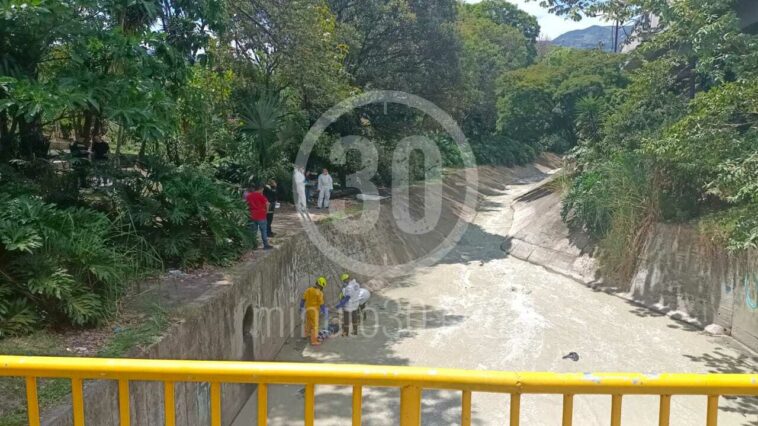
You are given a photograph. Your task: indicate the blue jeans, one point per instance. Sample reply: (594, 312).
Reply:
(255, 225)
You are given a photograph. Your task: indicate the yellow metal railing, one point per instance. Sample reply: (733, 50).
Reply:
(410, 380)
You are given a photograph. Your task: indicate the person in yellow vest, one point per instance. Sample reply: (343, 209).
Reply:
(313, 304)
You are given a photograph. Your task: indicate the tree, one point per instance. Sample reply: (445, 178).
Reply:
(686, 121)
(205, 110)
(190, 25)
(293, 46)
(406, 45)
(505, 13)
(489, 49)
(617, 10)
(29, 37)
(539, 103)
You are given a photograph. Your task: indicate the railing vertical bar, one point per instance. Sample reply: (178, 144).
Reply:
(77, 401)
(664, 413)
(357, 405)
(310, 404)
(515, 409)
(410, 406)
(466, 408)
(32, 404)
(215, 404)
(169, 407)
(123, 402)
(616, 410)
(568, 410)
(713, 410)
(262, 404)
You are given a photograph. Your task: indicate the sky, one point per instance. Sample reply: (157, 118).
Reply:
(552, 26)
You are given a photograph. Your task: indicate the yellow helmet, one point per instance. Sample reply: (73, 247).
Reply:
(321, 282)
(344, 277)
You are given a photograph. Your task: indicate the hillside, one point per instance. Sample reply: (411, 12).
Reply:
(592, 37)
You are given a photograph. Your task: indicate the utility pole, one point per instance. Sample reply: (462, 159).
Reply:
(616, 11)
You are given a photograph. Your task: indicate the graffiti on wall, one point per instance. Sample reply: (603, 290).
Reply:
(751, 291)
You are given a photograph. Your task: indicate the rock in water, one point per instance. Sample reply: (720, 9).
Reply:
(715, 330)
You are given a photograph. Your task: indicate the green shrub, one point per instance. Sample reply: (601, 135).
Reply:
(614, 202)
(58, 266)
(617, 186)
(184, 213)
(555, 143)
(499, 150)
(69, 265)
(451, 153)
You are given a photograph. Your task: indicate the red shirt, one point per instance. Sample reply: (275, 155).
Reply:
(256, 202)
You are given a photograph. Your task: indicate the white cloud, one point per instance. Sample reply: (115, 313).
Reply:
(552, 26)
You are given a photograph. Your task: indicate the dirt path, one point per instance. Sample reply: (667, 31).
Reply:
(480, 309)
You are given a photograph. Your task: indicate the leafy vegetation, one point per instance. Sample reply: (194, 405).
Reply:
(199, 99)
(58, 264)
(183, 213)
(679, 141)
(538, 105)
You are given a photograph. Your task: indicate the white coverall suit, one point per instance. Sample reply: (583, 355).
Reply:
(350, 307)
(325, 186)
(299, 179)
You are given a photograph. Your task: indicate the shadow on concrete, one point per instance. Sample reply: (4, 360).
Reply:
(476, 245)
(717, 361)
(488, 206)
(582, 240)
(388, 322)
(534, 177)
(534, 195)
(720, 362)
(491, 191)
(438, 407)
(680, 325)
(644, 312)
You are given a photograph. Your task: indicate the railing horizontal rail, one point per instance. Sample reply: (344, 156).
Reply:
(379, 376)
(410, 380)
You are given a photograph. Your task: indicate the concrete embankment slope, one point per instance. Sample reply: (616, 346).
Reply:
(678, 273)
(249, 312)
(538, 235)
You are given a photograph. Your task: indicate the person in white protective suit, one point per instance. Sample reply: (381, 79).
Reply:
(298, 178)
(352, 301)
(325, 187)
(363, 296)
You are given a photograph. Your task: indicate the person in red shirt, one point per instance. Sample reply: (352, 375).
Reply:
(258, 205)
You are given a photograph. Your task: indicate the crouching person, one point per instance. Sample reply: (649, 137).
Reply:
(352, 302)
(363, 296)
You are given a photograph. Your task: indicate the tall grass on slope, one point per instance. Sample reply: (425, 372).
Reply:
(616, 203)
